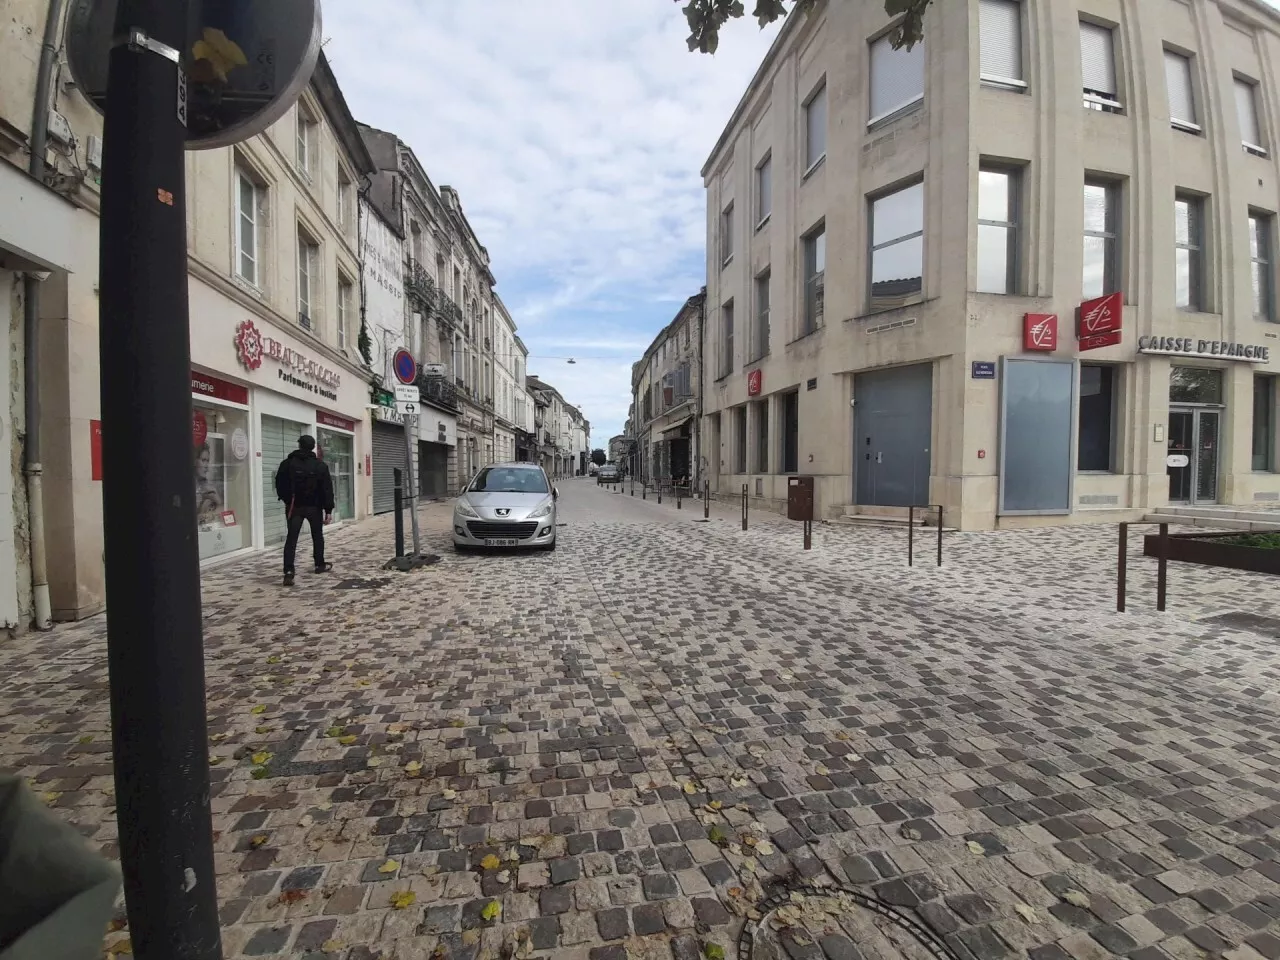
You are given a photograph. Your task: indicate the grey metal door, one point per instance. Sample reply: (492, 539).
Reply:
(433, 469)
(892, 427)
(388, 453)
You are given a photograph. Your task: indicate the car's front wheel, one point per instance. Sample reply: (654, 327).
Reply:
(461, 548)
(550, 547)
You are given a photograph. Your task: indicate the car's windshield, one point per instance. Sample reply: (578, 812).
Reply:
(509, 480)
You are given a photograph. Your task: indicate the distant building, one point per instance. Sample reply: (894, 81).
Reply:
(666, 384)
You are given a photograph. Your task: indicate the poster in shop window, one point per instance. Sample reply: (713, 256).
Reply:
(210, 476)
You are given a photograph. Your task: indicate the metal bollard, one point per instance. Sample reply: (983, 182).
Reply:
(399, 519)
(939, 534)
(808, 534)
(659, 491)
(706, 499)
(678, 507)
(644, 489)
(744, 506)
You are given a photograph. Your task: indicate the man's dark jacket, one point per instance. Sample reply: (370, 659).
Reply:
(303, 482)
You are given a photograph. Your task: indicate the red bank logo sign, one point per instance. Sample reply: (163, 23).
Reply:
(1040, 332)
(755, 383)
(1101, 321)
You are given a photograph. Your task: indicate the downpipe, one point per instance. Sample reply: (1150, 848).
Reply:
(32, 468)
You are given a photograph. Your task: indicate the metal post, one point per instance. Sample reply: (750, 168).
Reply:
(1162, 566)
(411, 492)
(1122, 562)
(744, 506)
(155, 654)
(678, 506)
(808, 534)
(644, 489)
(939, 534)
(706, 499)
(659, 491)
(911, 536)
(399, 509)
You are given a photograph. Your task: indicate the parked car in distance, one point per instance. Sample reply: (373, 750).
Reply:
(609, 473)
(506, 505)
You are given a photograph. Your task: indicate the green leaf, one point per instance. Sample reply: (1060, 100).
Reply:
(492, 910)
(713, 951)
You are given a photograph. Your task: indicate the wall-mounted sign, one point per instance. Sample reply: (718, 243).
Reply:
(1177, 460)
(239, 443)
(326, 419)
(755, 382)
(199, 429)
(983, 370)
(1100, 322)
(253, 346)
(433, 369)
(203, 385)
(1214, 349)
(1040, 331)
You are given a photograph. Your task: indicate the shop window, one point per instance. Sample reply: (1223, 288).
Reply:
(762, 436)
(338, 451)
(223, 479)
(740, 439)
(1101, 239)
(1189, 285)
(1264, 422)
(897, 247)
(1195, 385)
(1097, 426)
(791, 431)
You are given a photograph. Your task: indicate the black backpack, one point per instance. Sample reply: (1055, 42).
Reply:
(298, 482)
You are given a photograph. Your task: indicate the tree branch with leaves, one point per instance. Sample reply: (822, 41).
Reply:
(706, 17)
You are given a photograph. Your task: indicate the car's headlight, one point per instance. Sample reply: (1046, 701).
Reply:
(542, 511)
(463, 509)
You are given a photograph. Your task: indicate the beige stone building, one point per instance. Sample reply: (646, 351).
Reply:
(665, 387)
(895, 237)
(275, 321)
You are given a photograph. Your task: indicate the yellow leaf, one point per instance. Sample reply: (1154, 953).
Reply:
(492, 910)
(714, 805)
(764, 848)
(490, 862)
(121, 948)
(219, 51)
(1026, 913)
(1076, 898)
(739, 781)
(332, 946)
(413, 768)
(259, 773)
(976, 849)
(51, 797)
(449, 794)
(348, 740)
(263, 729)
(258, 840)
(375, 761)
(260, 708)
(333, 732)
(273, 659)
(214, 761)
(391, 866)
(362, 683)
(457, 723)
(404, 898)
(261, 757)
(690, 787)
(88, 739)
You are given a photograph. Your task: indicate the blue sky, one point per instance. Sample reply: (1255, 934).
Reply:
(574, 131)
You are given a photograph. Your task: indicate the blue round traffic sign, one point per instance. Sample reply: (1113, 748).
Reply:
(404, 366)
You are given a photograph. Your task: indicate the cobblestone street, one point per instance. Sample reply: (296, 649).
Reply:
(669, 728)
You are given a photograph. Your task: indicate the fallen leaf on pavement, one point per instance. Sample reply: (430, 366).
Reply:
(405, 898)
(292, 896)
(1076, 899)
(348, 740)
(739, 781)
(214, 761)
(713, 951)
(391, 866)
(1026, 913)
(976, 848)
(261, 758)
(764, 848)
(492, 910)
(504, 876)
(413, 768)
(690, 787)
(490, 862)
(449, 794)
(260, 708)
(258, 840)
(273, 659)
(332, 946)
(263, 729)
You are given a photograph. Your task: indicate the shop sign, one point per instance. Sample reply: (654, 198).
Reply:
(327, 419)
(203, 385)
(253, 346)
(755, 383)
(1209, 349)
(199, 429)
(1100, 322)
(983, 370)
(1040, 332)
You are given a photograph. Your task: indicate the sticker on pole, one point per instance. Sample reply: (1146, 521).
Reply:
(245, 62)
(404, 366)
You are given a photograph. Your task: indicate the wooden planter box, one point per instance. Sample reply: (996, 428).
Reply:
(1205, 548)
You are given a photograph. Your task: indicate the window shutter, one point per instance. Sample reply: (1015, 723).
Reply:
(897, 77)
(1097, 59)
(1000, 35)
(1177, 72)
(1247, 108)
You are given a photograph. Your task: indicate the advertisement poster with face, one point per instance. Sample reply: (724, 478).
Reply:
(210, 478)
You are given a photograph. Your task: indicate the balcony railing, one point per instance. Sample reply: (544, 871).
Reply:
(419, 287)
(438, 391)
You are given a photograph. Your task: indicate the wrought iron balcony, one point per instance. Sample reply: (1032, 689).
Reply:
(419, 287)
(438, 391)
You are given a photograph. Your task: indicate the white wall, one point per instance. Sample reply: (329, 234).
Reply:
(384, 290)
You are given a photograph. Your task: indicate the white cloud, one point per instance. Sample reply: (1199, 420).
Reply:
(574, 131)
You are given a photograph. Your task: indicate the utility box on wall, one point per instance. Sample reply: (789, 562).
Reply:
(800, 498)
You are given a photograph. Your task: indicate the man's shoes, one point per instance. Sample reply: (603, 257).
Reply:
(324, 568)
(288, 579)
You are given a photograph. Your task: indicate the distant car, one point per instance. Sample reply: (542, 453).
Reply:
(609, 473)
(506, 505)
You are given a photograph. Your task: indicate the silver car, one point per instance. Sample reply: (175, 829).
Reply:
(506, 505)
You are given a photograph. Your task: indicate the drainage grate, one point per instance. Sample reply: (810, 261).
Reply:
(807, 916)
(1250, 622)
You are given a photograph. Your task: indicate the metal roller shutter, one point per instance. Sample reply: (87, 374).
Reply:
(388, 453)
(1097, 62)
(897, 77)
(279, 439)
(1000, 23)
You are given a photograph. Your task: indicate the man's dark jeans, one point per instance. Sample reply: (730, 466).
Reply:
(313, 516)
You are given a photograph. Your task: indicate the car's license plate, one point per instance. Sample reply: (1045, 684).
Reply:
(501, 543)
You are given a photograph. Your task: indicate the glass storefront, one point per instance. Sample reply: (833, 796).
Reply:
(338, 451)
(222, 472)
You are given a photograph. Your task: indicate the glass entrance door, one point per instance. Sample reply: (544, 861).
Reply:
(1192, 460)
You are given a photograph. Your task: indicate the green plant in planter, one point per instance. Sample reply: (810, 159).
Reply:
(1256, 541)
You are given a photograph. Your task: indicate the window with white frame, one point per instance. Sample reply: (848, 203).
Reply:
(1247, 110)
(815, 127)
(345, 300)
(345, 192)
(1262, 266)
(1101, 238)
(897, 247)
(997, 229)
(764, 190)
(308, 281)
(1189, 285)
(726, 234)
(307, 155)
(1182, 97)
(1000, 36)
(897, 78)
(1098, 67)
(250, 199)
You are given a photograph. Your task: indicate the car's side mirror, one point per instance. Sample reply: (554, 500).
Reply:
(555, 493)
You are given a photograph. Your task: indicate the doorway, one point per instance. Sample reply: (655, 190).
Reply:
(1194, 434)
(892, 427)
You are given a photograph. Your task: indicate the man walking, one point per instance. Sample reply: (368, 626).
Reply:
(304, 485)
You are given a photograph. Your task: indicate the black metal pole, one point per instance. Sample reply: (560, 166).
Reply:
(911, 536)
(706, 499)
(744, 506)
(678, 506)
(1121, 563)
(808, 534)
(939, 534)
(399, 510)
(1162, 567)
(155, 653)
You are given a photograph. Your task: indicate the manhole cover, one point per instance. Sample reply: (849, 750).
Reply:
(835, 922)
